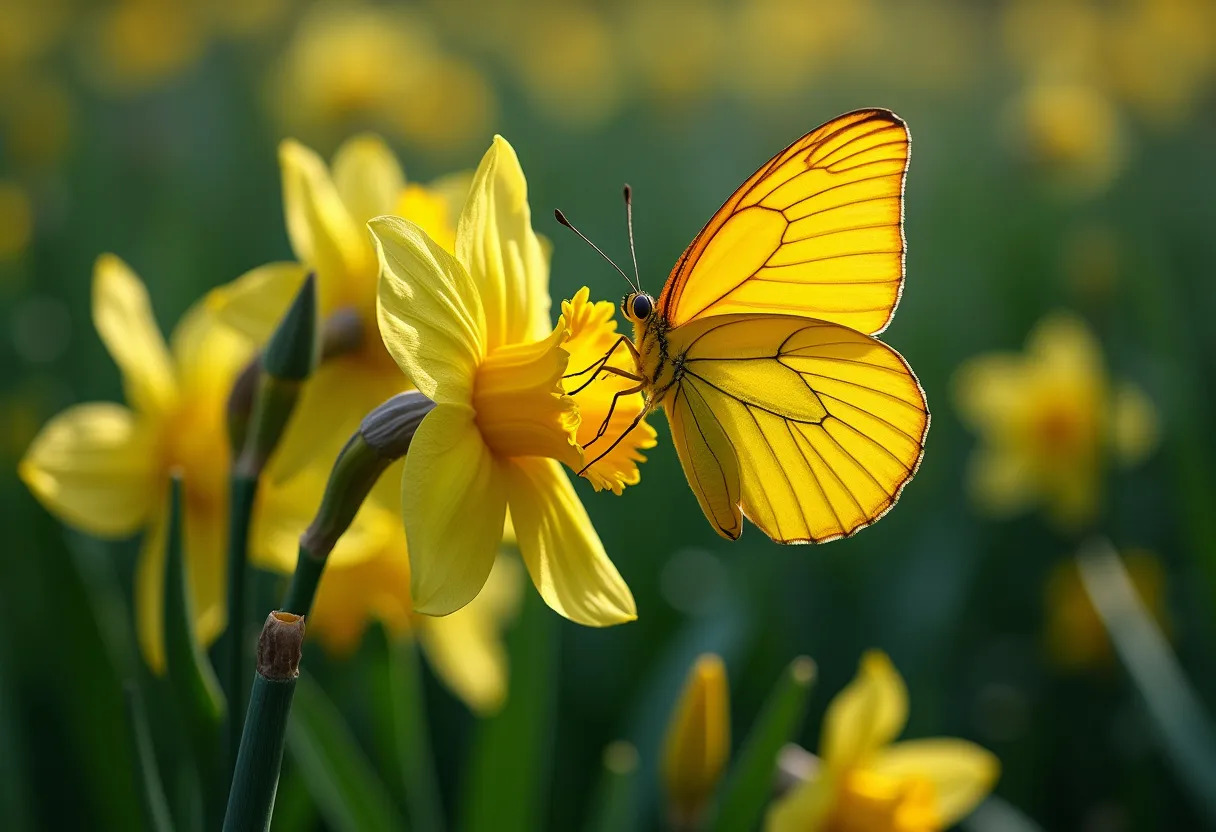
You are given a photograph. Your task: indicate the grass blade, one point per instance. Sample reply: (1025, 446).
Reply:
(509, 770)
(1186, 732)
(348, 792)
(750, 783)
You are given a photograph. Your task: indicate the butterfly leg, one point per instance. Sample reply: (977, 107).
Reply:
(637, 420)
(612, 409)
(600, 362)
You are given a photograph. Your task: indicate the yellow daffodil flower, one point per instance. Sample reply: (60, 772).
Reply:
(104, 468)
(865, 783)
(1076, 638)
(1049, 420)
(697, 745)
(367, 577)
(326, 214)
(472, 333)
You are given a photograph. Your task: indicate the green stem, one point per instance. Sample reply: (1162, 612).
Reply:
(256, 778)
(243, 491)
(303, 587)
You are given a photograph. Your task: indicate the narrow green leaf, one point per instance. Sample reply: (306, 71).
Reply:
(150, 787)
(615, 808)
(750, 783)
(347, 790)
(189, 670)
(505, 789)
(291, 352)
(1186, 731)
(238, 656)
(400, 703)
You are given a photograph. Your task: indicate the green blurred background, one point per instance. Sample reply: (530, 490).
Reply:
(1062, 159)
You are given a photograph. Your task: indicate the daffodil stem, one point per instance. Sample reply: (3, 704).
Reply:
(256, 777)
(243, 491)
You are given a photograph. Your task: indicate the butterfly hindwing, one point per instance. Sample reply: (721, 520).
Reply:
(827, 424)
(709, 460)
(817, 231)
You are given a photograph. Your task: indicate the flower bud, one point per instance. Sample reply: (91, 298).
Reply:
(698, 742)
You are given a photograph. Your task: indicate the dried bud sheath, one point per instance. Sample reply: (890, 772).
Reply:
(256, 779)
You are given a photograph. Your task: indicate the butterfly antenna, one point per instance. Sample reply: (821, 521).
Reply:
(562, 219)
(632, 251)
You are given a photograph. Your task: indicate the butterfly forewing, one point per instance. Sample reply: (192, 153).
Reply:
(817, 231)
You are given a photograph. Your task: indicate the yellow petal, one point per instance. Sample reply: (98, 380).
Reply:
(323, 234)
(94, 467)
(454, 498)
(332, 404)
(1001, 481)
(466, 650)
(805, 808)
(430, 312)
(866, 715)
(123, 316)
(254, 303)
(564, 554)
(697, 744)
(1064, 346)
(208, 355)
(368, 177)
(205, 553)
(962, 773)
(430, 211)
(989, 390)
(496, 243)
(1134, 428)
(150, 594)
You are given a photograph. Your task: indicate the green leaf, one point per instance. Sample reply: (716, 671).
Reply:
(149, 785)
(750, 783)
(400, 703)
(508, 773)
(1185, 729)
(291, 352)
(190, 672)
(347, 790)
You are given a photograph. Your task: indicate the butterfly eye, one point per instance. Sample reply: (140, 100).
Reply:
(642, 307)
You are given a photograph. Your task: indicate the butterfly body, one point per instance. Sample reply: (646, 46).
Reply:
(783, 406)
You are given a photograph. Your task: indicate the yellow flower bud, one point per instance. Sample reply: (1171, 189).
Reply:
(698, 741)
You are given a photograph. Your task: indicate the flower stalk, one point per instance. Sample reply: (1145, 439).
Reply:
(256, 779)
(287, 361)
(382, 438)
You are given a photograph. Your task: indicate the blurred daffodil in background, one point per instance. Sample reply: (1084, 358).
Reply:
(326, 210)
(1050, 421)
(1075, 637)
(697, 745)
(104, 468)
(472, 332)
(865, 782)
(363, 63)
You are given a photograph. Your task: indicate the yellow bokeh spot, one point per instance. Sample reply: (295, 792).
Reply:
(16, 220)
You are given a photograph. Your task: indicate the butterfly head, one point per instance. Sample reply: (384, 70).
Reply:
(637, 307)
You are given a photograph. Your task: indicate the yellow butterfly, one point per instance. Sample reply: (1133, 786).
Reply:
(782, 405)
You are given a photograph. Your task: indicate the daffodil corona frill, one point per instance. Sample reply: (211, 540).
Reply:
(326, 211)
(1050, 421)
(104, 468)
(472, 332)
(866, 784)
